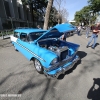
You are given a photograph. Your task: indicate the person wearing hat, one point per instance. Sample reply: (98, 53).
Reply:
(96, 30)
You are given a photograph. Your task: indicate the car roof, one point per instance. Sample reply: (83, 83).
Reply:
(29, 30)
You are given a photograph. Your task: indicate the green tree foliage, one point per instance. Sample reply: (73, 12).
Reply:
(84, 16)
(94, 5)
(37, 4)
(53, 17)
(38, 10)
(37, 7)
(77, 16)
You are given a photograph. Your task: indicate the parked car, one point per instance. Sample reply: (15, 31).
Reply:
(50, 55)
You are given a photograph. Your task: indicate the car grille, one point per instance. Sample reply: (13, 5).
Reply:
(63, 55)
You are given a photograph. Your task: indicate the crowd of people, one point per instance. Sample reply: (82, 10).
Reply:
(95, 30)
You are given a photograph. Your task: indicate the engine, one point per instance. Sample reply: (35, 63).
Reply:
(62, 52)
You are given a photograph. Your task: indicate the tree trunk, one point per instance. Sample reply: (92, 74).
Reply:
(58, 21)
(47, 14)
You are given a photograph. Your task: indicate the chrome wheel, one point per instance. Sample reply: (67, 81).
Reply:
(38, 66)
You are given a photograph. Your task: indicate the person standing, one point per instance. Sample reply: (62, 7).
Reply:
(64, 36)
(87, 31)
(38, 26)
(96, 30)
(79, 30)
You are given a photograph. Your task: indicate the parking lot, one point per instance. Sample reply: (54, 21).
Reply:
(18, 76)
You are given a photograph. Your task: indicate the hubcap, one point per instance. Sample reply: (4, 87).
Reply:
(37, 65)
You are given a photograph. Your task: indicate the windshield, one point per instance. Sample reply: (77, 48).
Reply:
(35, 35)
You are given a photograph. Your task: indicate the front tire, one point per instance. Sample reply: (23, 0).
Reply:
(38, 66)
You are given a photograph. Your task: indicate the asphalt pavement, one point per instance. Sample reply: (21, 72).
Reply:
(20, 81)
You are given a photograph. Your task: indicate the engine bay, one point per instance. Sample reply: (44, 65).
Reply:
(56, 47)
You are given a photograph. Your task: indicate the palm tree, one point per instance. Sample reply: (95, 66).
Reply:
(47, 14)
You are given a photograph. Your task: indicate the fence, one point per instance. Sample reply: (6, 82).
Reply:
(5, 33)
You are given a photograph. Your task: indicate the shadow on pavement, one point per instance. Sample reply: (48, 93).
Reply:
(94, 92)
(5, 43)
(97, 44)
(37, 84)
(5, 79)
(81, 54)
(89, 36)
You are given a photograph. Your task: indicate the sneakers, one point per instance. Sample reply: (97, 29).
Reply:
(86, 36)
(92, 47)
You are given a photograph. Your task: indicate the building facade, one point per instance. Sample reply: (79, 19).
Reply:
(14, 14)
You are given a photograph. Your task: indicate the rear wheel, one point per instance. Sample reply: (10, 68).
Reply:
(38, 66)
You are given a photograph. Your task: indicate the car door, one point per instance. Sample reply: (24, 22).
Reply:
(24, 46)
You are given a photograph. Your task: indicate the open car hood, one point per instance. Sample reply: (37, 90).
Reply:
(65, 27)
(57, 31)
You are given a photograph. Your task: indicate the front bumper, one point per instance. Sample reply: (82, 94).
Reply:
(61, 70)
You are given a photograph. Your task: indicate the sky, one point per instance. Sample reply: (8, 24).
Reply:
(72, 6)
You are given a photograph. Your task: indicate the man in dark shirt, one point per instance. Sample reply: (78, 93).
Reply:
(94, 36)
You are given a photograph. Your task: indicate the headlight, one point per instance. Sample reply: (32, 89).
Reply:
(54, 61)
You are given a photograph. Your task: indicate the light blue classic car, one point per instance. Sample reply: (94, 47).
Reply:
(50, 55)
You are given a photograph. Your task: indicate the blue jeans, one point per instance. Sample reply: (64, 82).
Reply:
(93, 36)
(87, 33)
(78, 32)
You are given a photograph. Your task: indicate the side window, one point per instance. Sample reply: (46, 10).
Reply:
(28, 38)
(23, 36)
(16, 34)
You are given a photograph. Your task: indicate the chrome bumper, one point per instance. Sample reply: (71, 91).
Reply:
(62, 70)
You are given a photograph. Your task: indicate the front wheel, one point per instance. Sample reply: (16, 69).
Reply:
(38, 66)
